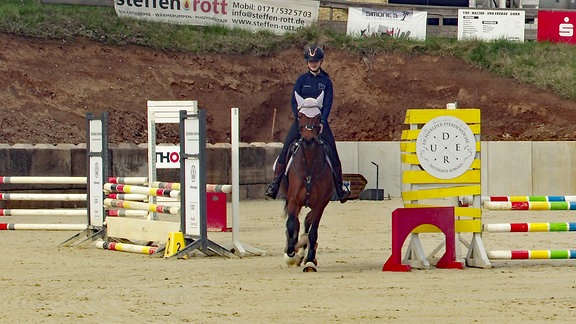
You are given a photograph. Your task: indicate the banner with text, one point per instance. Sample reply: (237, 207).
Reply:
(368, 22)
(491, 24)
(556, 26)
(272, 15)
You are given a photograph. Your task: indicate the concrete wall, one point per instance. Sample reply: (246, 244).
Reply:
(508, 168)
(512, 160)
(357, 157)
(528, 168)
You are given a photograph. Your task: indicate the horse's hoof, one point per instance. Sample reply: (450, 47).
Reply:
(309, 267)
(293, 260)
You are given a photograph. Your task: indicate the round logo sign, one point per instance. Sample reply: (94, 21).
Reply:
(446, 147)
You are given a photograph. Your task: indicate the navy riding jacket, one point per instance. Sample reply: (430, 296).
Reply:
(309, 85)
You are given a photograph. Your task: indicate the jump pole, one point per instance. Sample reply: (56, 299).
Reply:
(50, 227)
(532, 255)
(226, 188)
(530, 227)
(193, 178)
(42, 180)
(148, 191)
(128, 180)
(530, 205)
(27, 180)
(126, 247)
(43, 212)
(43, 196)
(97, 170)
(528, 198)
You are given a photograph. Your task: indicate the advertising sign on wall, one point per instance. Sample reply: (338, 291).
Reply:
(168, 157)
(556, 26)
(275, 16)
(369, 22)
(491, 24)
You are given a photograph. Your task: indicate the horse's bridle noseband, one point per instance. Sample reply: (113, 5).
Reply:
(310, 127)
(314, 128)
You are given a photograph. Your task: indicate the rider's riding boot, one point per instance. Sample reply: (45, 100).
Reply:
(342, 191)
(272, 190)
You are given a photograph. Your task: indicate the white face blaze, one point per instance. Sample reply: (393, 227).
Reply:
(309, 106)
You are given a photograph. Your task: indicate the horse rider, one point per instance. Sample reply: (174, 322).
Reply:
(310, 85)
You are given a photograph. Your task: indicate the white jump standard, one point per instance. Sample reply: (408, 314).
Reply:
(97, 168)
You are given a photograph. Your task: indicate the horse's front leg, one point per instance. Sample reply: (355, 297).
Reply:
(292, 231)
(311, 224)
(310, 262)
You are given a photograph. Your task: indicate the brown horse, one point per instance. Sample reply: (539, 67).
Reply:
(309, 184)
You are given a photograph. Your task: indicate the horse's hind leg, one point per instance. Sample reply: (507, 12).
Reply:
(303, 241)
(300, 248)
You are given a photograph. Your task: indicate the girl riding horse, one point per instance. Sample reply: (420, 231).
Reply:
(309, 184)
(310, 85)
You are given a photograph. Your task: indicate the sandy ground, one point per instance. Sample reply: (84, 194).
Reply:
(43, 283)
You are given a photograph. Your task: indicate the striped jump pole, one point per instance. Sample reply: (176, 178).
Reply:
(124, 204)
(123, 196)
(156, 192)
(530, 227)
(42, 180)
(160, 189)
(532, 254)
(124, 247)
(166, 185)
(529, 198)
(226, 188)
(219, 188)
(128, 180)
(530, 205)
(50, 227)
(43, 212)
(126, 212)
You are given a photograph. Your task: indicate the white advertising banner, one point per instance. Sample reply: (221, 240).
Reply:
(272, 15)
(491, 24)
(368, 22)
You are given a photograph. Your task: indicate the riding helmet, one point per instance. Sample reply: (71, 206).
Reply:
(313, 53)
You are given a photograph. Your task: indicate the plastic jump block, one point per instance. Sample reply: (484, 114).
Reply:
(405, 220)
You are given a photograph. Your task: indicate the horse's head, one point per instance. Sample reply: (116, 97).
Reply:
(309, 116)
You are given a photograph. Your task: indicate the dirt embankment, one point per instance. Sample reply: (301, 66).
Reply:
(47, 87)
